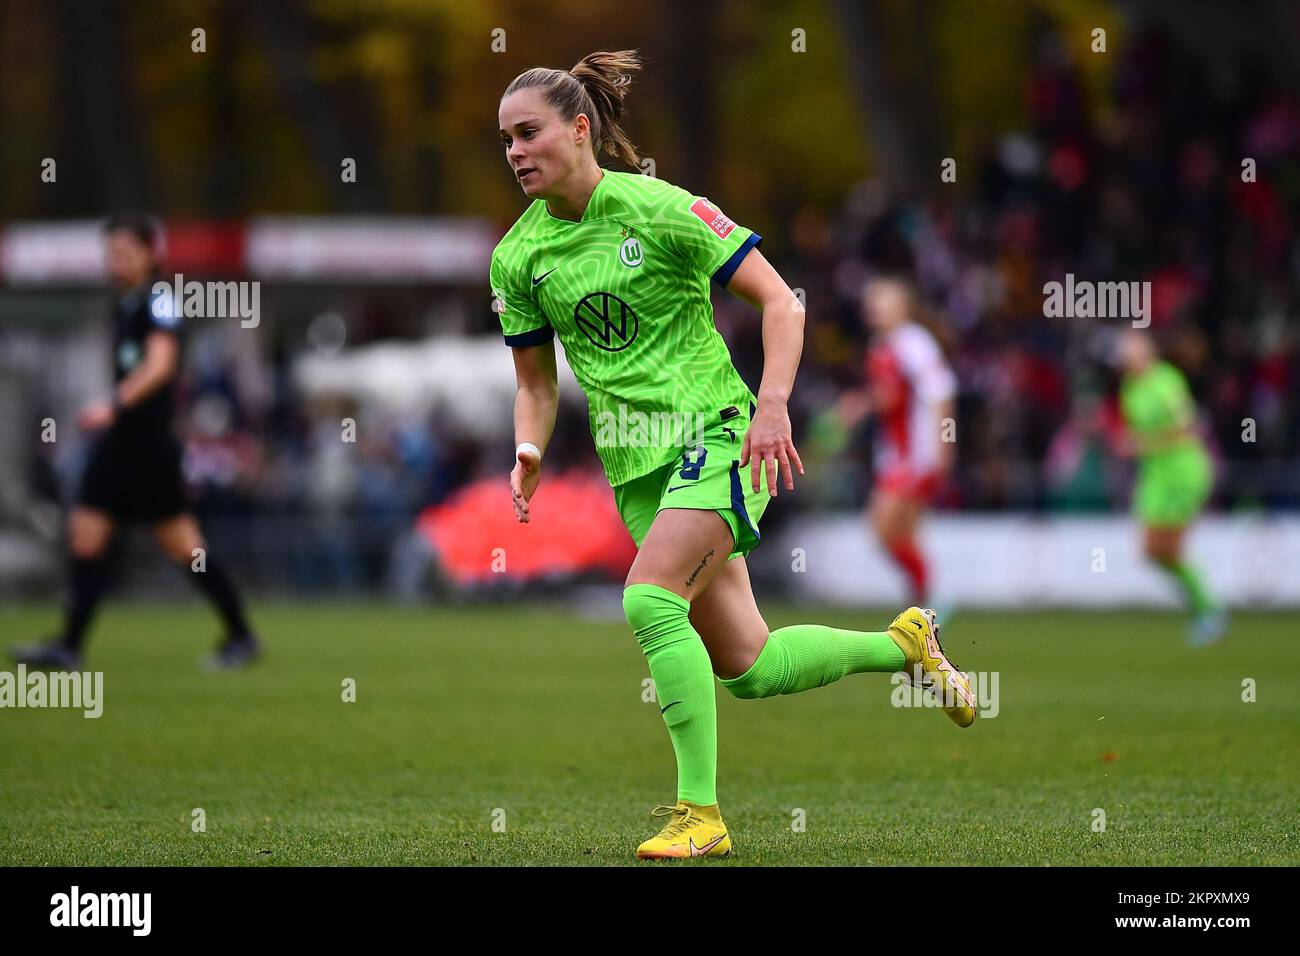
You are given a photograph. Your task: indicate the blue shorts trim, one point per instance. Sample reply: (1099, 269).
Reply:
(738, 499)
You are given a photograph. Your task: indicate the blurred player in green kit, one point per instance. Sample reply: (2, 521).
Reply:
(1174, 473)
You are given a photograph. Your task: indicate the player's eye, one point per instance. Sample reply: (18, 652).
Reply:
(528, 133)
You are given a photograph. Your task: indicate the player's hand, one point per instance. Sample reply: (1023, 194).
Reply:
(96, 415)
(768, 442)
(523, 482)
(853, 406)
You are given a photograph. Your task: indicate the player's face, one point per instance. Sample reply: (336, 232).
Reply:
(1135, 351)
(539, 145)
(129, 259)
(884, 306)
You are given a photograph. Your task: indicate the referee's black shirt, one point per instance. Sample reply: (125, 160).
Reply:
(136, 315)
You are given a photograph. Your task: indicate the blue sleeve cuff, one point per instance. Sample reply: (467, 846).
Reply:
(543, 333)
(722, 275)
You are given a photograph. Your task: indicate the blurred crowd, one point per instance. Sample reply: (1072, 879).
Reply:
(1179, 174)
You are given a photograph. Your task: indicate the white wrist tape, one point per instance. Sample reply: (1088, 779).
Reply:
(528, 446)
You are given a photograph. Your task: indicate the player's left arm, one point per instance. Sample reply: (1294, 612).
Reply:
(1179, 413)
(156, 369)
(1182, 411)
(769, 439)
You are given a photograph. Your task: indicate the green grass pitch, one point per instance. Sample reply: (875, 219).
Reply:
(531, 716)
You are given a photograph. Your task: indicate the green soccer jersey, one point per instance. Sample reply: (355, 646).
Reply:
(626, 289)
(1158, 410)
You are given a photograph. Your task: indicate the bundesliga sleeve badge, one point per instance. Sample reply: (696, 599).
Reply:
(713, 217)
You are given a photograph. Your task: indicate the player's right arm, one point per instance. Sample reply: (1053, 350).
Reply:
(1160, 412)
(159, 365)
(536, 403)
(532, 342)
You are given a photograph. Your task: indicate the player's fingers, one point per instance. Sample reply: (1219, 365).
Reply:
(794, 455)
(769, 469)
(744, 451)
(754, 462)
(517, 495)
(789, 472)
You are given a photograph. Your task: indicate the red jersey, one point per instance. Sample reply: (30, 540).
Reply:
(910, 382)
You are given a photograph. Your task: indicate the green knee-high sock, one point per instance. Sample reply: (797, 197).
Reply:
(1193, 585)
(683, 676)
(804, 656)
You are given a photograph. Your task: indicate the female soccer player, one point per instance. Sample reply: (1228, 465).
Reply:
(1174, 472)
(910, 391)
(134, 471)
(618, 266)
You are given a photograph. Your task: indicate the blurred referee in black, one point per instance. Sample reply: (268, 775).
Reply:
(134, 472)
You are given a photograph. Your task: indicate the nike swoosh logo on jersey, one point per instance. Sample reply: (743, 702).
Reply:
(537, 279)
(701, 850)
(663, 710)
(676, 488)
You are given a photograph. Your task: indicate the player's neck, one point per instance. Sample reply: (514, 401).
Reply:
(573, 202)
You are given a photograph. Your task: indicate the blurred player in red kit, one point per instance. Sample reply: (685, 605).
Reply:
(910, 393)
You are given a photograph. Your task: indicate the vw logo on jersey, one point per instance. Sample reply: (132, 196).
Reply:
(606, 320)
(629, 253)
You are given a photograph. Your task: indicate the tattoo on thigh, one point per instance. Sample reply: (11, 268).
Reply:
(699, 568)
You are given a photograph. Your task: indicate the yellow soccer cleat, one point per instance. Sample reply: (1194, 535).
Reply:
(693, 831)
(916, 631)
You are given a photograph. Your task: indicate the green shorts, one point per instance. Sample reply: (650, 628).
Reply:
(1172, 488)
(707, 477)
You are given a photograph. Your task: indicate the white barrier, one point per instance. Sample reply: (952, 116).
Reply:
(1018, 561)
